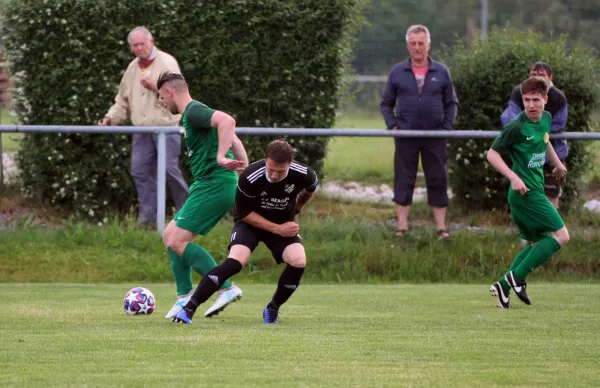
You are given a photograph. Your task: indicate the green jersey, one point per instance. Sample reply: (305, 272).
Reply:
(526, 142)
(202, 142)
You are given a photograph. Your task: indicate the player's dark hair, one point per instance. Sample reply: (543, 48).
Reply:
(280, 151)
(541, 66)
(534, 85)
(175, 81)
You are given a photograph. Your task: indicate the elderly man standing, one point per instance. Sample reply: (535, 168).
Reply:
(422, 93)
(138, 100)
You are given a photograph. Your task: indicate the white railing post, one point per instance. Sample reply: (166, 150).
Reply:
(161, 182)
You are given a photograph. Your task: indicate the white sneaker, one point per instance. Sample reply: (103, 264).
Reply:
(225, 297)
(178, 306)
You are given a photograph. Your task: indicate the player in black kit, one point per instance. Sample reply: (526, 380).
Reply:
(270, 193)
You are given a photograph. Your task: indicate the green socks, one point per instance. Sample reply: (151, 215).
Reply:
(518, 259)
(541, 252)
(182, 273)
(196, 257)
(530, 258)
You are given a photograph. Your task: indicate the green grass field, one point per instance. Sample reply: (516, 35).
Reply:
(360, 159)
(396, 335)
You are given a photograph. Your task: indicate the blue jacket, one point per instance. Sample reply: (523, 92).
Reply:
(434, 108)
(558, 108)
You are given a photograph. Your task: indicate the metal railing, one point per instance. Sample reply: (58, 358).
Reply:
(162, 131)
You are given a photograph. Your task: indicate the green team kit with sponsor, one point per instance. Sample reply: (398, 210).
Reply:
(526, 142)
(212, 194)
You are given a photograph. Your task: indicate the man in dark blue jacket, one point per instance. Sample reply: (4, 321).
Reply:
(422, 93)
(557, 106)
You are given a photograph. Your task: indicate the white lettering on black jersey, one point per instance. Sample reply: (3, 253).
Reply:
(274, 201)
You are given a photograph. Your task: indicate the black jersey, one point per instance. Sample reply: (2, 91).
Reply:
(274, 201)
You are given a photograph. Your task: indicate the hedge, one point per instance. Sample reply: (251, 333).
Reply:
(267, 62)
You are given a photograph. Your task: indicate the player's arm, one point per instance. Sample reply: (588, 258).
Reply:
(303, 197)
(246, 202)
(289, 229)
(306, 194)
(239, 152)
(559, 169)
(508, 136)
(225, 125)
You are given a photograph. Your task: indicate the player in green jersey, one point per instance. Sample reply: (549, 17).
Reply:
(525, 138)
(211, 146)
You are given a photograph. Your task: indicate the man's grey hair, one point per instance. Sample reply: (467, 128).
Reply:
(141, 29)
(414, 29)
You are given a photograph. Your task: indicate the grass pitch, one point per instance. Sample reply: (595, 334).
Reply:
(392, 335)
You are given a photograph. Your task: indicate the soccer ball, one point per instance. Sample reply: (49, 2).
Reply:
(138, 301)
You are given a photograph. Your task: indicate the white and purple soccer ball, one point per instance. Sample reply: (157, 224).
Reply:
(139, 301)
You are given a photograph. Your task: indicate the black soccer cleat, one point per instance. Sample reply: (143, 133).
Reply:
(519, 286)
(503, 297)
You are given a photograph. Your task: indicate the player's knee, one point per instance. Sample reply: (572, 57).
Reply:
(167, 235)
(561, 236)
(298, 261)
(240, 253)
(176, 242)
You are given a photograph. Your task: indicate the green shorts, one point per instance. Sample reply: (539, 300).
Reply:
(206, 204)
(534, 215)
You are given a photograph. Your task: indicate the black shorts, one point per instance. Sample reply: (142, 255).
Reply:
(249, 236)
(552, 187)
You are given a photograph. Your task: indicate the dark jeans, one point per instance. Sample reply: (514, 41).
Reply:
(435, 166)
(144, 158)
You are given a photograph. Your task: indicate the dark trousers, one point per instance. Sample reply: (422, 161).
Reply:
(144, 158)
(434, 158)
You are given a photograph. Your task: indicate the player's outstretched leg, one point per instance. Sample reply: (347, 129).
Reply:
(502, 295)
(225, 297)
(209, 284)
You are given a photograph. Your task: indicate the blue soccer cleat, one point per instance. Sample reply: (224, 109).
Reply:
(270, 316)
(182, 317)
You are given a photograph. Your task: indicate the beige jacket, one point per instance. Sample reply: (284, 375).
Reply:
(139, 104)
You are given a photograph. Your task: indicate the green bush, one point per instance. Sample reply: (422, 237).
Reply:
(484, 76)
(267, 62)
